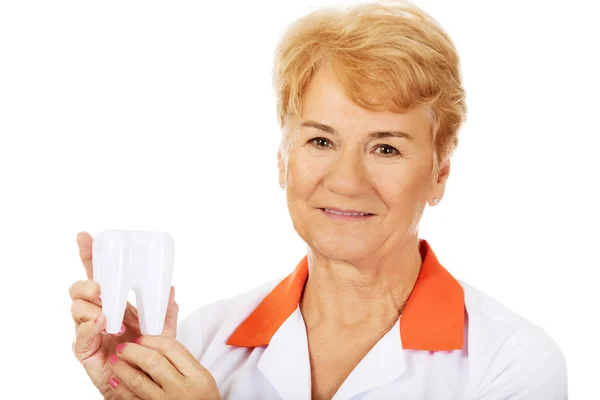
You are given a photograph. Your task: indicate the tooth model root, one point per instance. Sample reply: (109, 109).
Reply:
(138, 260)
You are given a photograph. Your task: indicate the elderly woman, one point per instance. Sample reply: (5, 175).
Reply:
(370, 102)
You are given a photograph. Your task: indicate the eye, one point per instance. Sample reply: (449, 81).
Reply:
(387, 150)
(320, 143)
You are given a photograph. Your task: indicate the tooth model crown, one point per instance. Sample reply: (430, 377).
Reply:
(141, 261)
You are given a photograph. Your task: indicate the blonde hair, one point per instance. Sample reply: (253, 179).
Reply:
(388, 56)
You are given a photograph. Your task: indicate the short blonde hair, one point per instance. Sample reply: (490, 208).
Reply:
(389, 56)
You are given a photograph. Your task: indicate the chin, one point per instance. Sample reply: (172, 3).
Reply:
(345, 248)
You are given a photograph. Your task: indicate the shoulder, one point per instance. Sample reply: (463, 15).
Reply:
(483, 308)
(219, 319)
(508, 354)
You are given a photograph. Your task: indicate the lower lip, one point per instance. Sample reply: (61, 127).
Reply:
(346, 217)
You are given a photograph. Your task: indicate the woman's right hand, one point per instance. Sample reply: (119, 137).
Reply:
(92, 345)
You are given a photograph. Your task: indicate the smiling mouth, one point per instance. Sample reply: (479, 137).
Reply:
(344, 213)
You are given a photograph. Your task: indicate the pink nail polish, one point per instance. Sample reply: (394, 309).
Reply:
(120, 347)
(113, 383)
(100, 298)
(112, 359)
(122, 329)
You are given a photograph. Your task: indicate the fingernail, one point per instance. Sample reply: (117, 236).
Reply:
(113, 383)
(122, 329)
(112, 359)
(97, 318)
(138, 340)
(120, 347)
(100, 298)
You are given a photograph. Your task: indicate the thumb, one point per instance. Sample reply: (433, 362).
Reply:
(84, 242)
(170, 327)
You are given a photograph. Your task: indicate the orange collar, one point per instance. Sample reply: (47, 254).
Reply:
(433, 318)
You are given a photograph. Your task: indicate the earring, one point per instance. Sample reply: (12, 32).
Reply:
(435, 201)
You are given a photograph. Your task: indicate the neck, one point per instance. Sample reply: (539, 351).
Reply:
(370, 293)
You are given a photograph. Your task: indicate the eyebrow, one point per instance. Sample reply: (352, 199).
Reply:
(372, 135)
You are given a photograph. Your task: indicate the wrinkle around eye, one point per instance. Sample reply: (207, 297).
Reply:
(397, 153)
(313, 144)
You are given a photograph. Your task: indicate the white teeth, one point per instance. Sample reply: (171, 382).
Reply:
(353, 214)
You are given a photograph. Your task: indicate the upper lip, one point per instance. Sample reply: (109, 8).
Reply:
(344, 211)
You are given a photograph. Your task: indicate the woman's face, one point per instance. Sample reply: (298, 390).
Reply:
(338, 162)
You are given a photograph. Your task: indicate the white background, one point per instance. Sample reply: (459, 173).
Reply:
(161, 116)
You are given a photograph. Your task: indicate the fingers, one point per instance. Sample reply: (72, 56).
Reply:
(86, 304)
(156, 365)
(170, 325)
(86, 290)
(175, 353)
(87, 338)
(135, 380)
(84, 242)
(84, 311)
(89, 292)
(121, 390)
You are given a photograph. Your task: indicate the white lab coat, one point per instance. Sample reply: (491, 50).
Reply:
(451, 342)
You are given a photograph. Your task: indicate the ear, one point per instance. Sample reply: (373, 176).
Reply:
(439, 186)
(281, 168)
(444, 173)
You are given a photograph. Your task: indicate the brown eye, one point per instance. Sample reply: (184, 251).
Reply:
(387, 151)
(320, 142)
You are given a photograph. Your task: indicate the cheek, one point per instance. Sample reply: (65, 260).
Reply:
(304, 174)
(402, 189)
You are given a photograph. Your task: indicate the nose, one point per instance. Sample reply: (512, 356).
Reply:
(347, 174)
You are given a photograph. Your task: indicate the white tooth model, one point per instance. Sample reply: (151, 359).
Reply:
(138, 260)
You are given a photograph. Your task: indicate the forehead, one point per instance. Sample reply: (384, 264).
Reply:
(325, 101)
